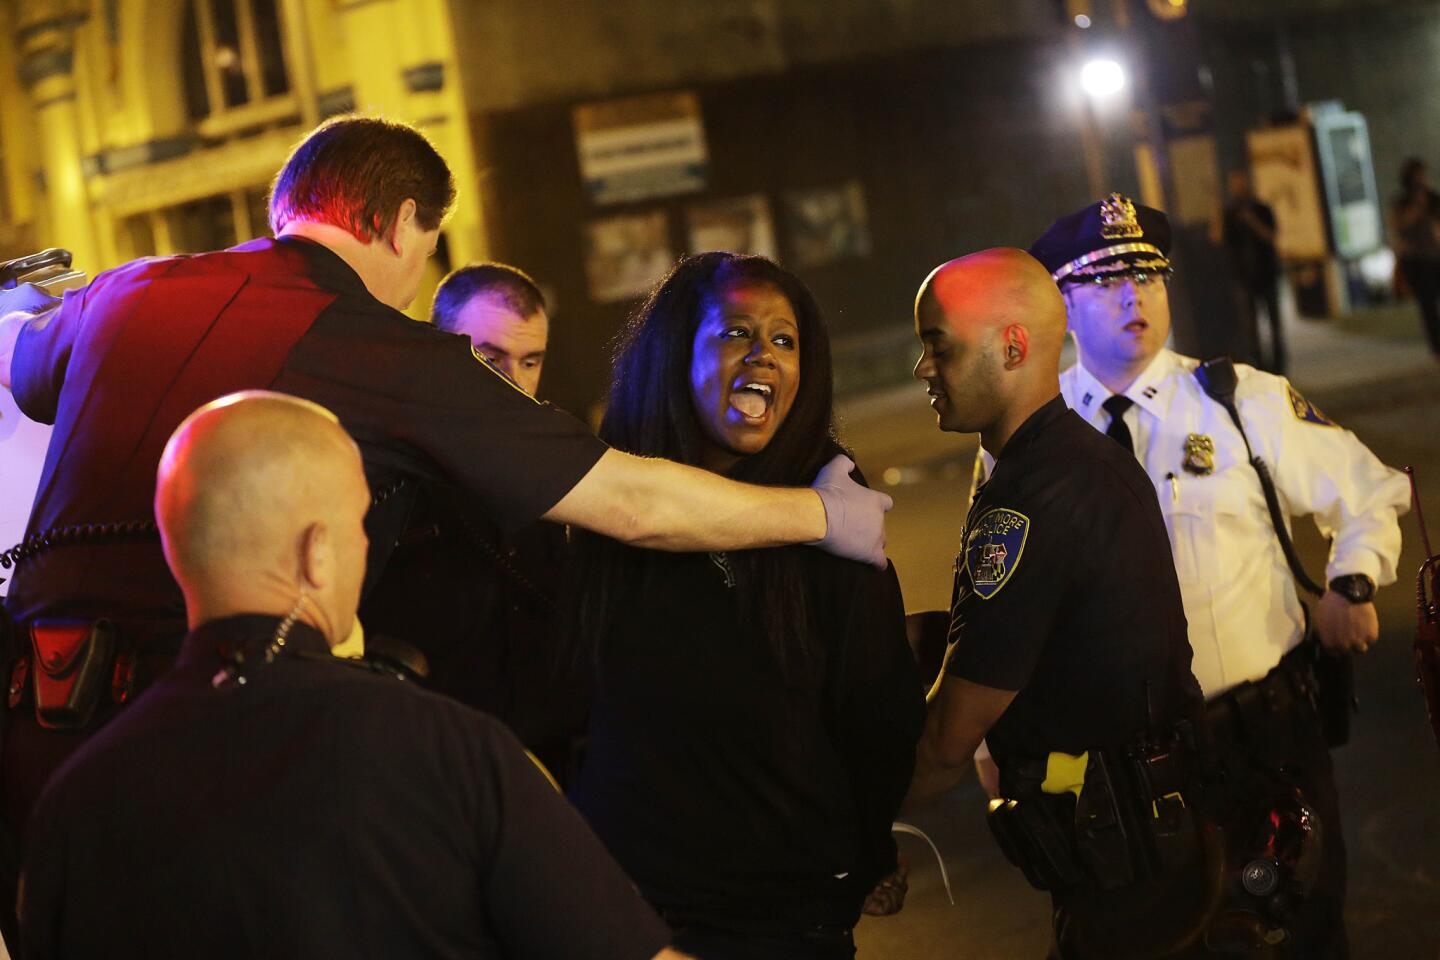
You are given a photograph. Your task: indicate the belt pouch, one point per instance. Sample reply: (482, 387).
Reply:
(73, 661)
(1103, 842)
(1033, 838)
(1169, 823)
(1017, 848)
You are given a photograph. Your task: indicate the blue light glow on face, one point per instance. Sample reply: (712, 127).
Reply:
(744, 370)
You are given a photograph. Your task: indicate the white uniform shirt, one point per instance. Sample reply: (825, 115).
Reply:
(1240, 598)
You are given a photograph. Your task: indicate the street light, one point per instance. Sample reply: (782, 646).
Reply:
(1102, 78)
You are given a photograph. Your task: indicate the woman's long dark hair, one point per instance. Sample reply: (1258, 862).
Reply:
(651, 414)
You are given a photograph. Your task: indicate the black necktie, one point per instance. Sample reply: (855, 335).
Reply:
(1117, 431)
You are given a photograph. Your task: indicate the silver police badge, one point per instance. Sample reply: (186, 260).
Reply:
(1199, 455)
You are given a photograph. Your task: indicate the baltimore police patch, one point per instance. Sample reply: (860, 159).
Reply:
(994, 547)
(1307, 411)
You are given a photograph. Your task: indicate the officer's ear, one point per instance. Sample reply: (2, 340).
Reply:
(1014, 345)
(317, 557)
(403, 229)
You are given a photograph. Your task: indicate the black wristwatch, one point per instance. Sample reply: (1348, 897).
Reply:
(1355, 587)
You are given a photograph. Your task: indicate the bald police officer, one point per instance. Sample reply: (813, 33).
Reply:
(1068, 638)
(1246, 622)
(236, 810)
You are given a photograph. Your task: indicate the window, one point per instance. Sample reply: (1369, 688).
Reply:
(209, 223)
(234, 64)
(202, 225)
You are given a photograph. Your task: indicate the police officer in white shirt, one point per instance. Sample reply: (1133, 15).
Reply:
(1247, 625)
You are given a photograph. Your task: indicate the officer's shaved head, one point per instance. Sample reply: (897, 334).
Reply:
(992, 325)
(261, 499)
(990, 290)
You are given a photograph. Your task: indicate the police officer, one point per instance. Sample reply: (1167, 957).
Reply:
(356, 212)
(236, 811)
(494, 641)
(1068, 639)
(1246, 622)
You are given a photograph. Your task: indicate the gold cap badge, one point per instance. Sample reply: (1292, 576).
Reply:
(1117, 219)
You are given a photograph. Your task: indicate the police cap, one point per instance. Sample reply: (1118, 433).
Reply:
(1115, 235)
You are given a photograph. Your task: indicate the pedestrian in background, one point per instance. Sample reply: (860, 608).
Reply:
(1249, 237)
(1415, 220)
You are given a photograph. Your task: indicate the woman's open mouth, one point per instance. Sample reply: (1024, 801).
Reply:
(752, 400)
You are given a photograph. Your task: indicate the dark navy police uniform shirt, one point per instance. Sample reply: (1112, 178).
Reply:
(122, 362)
(319, 810)
(1065, 591)
(497, 641)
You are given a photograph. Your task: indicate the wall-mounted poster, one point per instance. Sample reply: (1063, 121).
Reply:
(641, 147)
(1282, 168)
(626, 255)
(827, 224)
(739, 225)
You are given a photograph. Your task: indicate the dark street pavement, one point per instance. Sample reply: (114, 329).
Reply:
(1384, 389)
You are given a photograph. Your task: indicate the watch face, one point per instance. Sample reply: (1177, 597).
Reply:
(1355, 588)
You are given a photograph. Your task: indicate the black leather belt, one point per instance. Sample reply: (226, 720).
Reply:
(1290, 685)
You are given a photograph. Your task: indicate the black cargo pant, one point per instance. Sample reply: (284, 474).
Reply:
(1161, 917)
(1285, 731)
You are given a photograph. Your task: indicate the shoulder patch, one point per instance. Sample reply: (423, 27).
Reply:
(1307, 411)
(994, 547)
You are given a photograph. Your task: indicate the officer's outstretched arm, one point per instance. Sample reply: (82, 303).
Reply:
(668, 506)
(18, 306)
(10, 326)
(960, 715)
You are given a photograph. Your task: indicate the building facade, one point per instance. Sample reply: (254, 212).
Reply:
(138, 127)
(860, 141)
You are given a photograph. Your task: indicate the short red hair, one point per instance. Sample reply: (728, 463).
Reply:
(354, 172)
